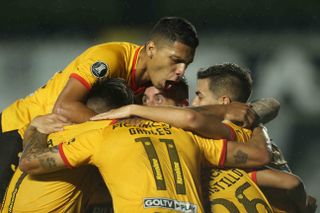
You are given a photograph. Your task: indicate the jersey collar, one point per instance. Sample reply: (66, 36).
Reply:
(133, 84)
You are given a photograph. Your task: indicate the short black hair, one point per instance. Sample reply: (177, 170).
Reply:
(114, 92)
(176, 29)
(179, 92)
(229, 79)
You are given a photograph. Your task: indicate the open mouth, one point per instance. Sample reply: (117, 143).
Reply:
(169, 84)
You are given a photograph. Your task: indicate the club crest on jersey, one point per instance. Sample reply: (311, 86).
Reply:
(99, 69)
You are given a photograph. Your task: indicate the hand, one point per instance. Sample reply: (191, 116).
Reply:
(242, 113)
(49, 123)
(311, 204)
(135, 121)
(122, 112)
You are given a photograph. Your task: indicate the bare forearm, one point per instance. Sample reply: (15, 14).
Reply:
(219, 111)
(37, 158)
(76, 112)
(266, 108)
(205, 125)
(298, 196)
(177, 117)
(289, 183)
(253, 154)
(35, 145)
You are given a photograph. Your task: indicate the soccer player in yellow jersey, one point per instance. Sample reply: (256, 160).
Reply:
(162, 60)
(149, 167)
(70, 190)
(219, 85)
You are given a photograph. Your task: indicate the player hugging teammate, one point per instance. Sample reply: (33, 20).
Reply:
(155, 163)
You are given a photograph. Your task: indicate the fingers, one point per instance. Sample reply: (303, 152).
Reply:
(101, 116)
(50, 123)
(243, 113)
(62, 119)
(122, 112)
(250, 117)
(311, 204)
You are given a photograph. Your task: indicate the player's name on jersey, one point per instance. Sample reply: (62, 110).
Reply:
(142, 131)
(145, 127)
(166, 203)
(223, 179)
(141, 124)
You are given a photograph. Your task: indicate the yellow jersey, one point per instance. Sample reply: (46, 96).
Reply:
(108, 60)
(63, 191)
(234, 190)
(150, 167)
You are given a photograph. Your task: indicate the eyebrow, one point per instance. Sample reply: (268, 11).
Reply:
(175, 57)
(157, 94)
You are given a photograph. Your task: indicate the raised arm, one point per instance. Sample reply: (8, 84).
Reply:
(71, 102)
(185, 118)
(255, 153)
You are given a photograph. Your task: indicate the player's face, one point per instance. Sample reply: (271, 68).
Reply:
(204, 96)
(153, 97)
(168, 62)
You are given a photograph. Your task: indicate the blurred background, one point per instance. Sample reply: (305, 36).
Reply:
(278, 40)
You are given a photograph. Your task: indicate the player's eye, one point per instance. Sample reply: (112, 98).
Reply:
(144, 99)
(159, 99)
(199, 95)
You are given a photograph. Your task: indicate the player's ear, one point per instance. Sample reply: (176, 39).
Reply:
(224, 100)
(150, 48)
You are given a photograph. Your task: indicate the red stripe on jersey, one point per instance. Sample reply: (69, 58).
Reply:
(63, 156)
(254, 176)
(113, 122)
(82, 80)
(232, 133)
(223, 155)
(133, 85)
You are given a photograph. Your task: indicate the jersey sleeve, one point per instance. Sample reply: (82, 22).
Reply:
(96, 63)
(253, 175)
(70, 131)
(81, 149)
(214, 150)
(239, 134)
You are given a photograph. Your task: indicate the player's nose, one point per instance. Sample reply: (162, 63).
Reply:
(195, 101)
(181, 69)
(150, 102)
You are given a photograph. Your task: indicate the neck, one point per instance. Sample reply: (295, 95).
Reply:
(141, 68)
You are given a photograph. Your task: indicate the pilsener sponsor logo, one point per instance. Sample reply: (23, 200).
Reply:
(166, 203)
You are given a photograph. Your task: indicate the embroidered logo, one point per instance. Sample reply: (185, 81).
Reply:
(99, 69)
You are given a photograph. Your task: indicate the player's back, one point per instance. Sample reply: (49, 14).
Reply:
(114, 59)
(62, 191)
(156, 167)
(148, 168)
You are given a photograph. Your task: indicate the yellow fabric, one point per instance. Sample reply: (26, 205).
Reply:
(232, 190)
(118, 56)
(150, 164)
(63, 191)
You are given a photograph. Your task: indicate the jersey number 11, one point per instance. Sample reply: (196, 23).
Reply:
(156, 167)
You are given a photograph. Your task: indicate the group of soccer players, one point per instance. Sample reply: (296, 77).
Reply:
(213, 157)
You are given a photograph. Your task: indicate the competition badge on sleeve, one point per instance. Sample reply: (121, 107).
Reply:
(99, 69)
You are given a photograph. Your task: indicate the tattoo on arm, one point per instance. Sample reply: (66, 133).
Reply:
(37, 144)
(48, 162)
(240, 157)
